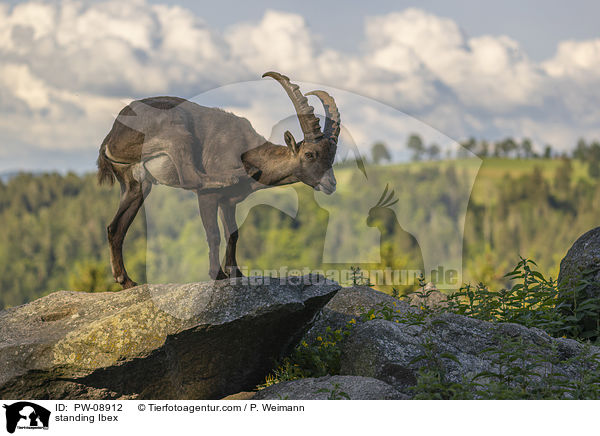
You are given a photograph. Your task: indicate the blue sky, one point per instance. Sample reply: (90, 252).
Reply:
(462, 68)
(537, 25)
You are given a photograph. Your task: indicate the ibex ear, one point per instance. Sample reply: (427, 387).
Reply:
(290, 141)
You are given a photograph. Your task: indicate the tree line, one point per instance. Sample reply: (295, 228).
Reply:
(53, 227)
(508, 148)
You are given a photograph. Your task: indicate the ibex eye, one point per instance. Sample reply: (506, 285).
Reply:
(309, 155)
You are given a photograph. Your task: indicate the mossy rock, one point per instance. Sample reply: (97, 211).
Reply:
(582, 262)
(192, 341)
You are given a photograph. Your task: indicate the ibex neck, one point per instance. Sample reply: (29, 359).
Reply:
(276, 164)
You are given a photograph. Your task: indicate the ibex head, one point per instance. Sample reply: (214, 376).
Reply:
(316, 152)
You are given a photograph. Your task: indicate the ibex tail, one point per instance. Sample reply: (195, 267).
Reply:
(105, 171)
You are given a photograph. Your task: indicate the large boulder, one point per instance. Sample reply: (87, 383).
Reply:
(337, 387)
(394, 352)
(582, 262)
(583, 255)
(350, 303)
(194, 341)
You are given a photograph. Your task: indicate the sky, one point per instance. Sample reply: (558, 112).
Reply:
(538, 26)
(448, 69)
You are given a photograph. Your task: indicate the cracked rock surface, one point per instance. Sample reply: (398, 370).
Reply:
(193, 341)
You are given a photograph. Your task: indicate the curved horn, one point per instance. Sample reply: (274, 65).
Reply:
(306, 113)
(332, 122)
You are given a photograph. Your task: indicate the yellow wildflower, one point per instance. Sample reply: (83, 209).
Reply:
(319, 338)
(352, 321)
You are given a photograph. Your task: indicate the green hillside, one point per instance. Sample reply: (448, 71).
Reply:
(52, 233)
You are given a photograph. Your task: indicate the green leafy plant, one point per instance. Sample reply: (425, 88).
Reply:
(520, 371)
(385, 311)
(316, 359)
(534, 301)
(517, 370)
(432, 381)
(580, 308)
(321, 357)
(335, 393)
(285, 371)
(358, 277)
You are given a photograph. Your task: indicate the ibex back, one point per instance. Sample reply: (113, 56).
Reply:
(174, 142)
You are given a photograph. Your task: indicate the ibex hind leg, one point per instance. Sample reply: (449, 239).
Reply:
(133, 194)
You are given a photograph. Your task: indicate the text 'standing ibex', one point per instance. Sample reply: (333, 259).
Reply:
(174, 142)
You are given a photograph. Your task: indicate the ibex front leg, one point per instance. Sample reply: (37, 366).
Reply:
(132, 198)
(208, 206)
(231, 234)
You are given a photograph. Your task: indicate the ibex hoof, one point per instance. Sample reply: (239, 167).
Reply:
(220, 275)
(126, 283)
(234, 272)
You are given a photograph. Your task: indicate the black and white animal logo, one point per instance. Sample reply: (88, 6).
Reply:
(26, 415)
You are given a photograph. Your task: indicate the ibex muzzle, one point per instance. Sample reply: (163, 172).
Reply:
(327, 184)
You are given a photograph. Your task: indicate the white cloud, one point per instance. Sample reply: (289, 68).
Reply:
(68, 64)
(575, 58)
(38, 16)
(24, 85)
(414, 33)
(575, 75)
(487, 72)
(279, 41)
(49, 118)
(115, 48)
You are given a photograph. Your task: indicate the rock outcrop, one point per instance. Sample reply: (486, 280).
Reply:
(337, 387)
(349, 303)
(195, 341)
(581, 264)
(393, 352)
(212, 340)
(584, 255)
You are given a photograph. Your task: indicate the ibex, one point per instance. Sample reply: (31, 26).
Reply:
(174, 142)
